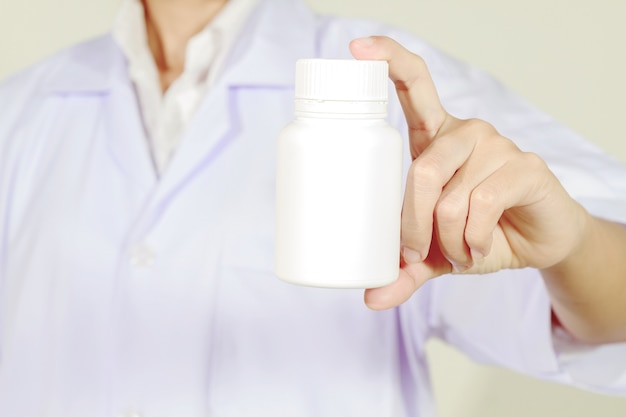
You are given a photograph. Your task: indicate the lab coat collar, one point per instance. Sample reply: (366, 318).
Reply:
(277, 33)
(91, 67)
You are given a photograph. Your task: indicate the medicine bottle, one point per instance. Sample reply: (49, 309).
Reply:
(339, 179)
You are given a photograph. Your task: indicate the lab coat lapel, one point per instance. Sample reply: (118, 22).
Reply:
(127, 138)
(98, 68)
(279, 33)
(125, 130)
(276, 35)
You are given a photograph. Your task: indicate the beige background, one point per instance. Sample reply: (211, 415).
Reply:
(566, 56)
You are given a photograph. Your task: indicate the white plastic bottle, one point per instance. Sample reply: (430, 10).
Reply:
(339, 179)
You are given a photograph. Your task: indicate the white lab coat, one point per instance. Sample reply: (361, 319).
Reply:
(120, 291)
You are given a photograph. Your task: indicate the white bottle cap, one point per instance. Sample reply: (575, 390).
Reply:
(341, 86)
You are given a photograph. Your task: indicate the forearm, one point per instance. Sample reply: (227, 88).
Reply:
(588, 288)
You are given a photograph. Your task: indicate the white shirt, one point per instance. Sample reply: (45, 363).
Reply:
(165, 116)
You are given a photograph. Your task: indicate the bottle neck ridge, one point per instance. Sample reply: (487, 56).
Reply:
(341, 109)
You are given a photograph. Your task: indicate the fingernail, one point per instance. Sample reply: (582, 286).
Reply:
(411, 256)
(367, 41)
(458, 268)
(476, 255)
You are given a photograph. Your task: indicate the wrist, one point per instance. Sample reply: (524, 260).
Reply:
(584, 237)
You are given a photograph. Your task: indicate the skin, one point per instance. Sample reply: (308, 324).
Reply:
(169, 26)
(460, 213)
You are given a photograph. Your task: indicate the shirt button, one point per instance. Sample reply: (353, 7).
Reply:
(141, 256)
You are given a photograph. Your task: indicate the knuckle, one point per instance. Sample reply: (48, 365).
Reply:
(485, 202)
(478, 238)
(486, 206)
(484, 198)
(472, 239)
(482, 131)
(479, 126)
(418, 62)
(533, 162)
(425, 171)
(419, 66)
(508, 144)
(450, 209)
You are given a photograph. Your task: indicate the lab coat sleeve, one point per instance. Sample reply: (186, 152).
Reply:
(505, 318)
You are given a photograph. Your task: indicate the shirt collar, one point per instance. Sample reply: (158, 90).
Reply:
(274, 36)
(129, 31)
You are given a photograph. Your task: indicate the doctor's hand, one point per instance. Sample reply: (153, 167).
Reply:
(474, 202)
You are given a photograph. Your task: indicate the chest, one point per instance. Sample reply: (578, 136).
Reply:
(168, 284)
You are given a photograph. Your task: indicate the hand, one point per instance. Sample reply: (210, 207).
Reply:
(474, 202)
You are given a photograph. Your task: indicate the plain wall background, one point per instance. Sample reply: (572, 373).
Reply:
(565, 56)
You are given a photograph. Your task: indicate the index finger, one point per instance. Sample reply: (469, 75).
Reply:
(415, 88)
